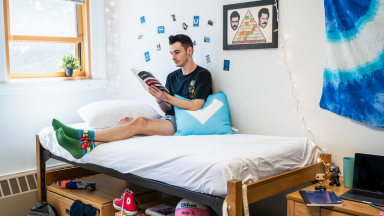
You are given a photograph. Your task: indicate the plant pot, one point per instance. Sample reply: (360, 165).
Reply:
(68, 72)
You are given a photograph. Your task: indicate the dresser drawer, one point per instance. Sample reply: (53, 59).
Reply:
(61, 203)
(327, 212)
(302, 209)
(107, 189)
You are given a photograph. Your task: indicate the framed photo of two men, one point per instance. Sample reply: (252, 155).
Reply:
(250, 25)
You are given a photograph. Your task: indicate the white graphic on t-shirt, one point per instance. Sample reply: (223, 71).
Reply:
(204, 115)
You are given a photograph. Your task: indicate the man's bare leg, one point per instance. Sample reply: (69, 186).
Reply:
(139, 125)
(121, 122)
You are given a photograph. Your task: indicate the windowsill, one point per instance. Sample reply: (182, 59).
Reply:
(50, 79)
(57, 84)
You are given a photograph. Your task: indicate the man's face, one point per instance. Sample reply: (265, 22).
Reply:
(263, 20)
(234, 22)
(179, 55)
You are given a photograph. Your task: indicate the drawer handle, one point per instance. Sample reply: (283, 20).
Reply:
(67, 211)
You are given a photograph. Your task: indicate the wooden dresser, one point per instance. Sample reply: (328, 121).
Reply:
(297, 207)
(107, 189)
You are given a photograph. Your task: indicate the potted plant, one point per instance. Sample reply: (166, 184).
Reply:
(68, 63)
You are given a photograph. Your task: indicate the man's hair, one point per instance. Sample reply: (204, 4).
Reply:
(263, 10)
(185, 41)
(235, 14)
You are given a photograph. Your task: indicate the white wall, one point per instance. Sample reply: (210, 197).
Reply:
(25, 109)
(257, 85)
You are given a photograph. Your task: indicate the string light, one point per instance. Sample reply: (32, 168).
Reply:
(112, 38)
(292, 95)
(319, 159)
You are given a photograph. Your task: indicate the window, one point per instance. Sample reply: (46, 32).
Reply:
(39, 32)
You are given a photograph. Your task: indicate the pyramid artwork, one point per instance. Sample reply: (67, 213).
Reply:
(248, 31)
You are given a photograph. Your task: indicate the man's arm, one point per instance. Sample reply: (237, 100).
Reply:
(182, 104)
(165, 107)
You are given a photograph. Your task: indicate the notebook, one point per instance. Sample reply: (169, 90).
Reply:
(321, 198)
(161, 210)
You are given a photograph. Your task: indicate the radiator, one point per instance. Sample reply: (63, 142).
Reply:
(18, 192)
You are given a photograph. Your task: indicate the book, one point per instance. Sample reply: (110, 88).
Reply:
(161, 210)
(321, 198)
(146, 79)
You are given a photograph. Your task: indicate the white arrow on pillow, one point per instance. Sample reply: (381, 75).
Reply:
(204, 115)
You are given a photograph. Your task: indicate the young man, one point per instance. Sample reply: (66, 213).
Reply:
(190, 81)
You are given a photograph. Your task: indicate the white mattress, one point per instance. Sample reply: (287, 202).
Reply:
(197, 163)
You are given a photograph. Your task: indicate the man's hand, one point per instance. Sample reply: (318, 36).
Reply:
(182, 104)
(157, 93)
(160, 96)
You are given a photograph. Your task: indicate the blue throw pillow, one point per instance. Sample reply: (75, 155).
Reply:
(212, 119)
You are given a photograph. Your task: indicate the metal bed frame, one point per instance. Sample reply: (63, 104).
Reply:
(264, 188)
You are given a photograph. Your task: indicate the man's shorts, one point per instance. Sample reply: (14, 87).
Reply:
(172, 119)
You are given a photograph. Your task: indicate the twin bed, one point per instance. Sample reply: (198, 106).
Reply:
(205, 169)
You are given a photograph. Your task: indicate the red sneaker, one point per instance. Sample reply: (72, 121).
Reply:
(126, 203)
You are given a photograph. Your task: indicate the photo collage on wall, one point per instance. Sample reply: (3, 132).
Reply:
(185, 26)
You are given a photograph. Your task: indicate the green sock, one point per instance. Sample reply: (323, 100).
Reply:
(71, 132)
(75, 147)
(83, 135)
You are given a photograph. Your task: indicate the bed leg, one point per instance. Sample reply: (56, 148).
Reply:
(234, 197)
(327, 158)
(41, 188)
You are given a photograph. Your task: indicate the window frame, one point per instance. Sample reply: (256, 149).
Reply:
(83, 38)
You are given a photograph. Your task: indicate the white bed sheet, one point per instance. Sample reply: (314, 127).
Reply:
(197, 163)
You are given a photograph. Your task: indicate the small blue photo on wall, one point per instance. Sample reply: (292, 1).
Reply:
(142, 20)
(196, 20)
(226, 65)
(160, 29)
(147, 58)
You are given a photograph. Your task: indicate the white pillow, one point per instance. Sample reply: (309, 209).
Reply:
(105, 114)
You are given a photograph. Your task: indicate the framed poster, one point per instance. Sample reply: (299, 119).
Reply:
(250, 25)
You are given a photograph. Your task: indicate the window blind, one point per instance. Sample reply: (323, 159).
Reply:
(74, 1)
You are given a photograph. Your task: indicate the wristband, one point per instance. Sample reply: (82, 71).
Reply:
(160, 102)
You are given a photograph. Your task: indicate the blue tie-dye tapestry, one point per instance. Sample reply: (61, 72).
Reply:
(353, 84)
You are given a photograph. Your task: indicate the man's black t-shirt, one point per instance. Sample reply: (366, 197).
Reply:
(196, 85)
